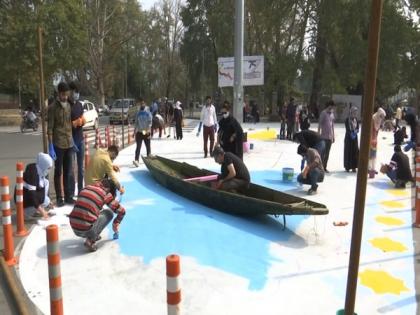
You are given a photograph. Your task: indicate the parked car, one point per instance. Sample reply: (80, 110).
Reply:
(103, 110)
(123, 110)
(90, 114)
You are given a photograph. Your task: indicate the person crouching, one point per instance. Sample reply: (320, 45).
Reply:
(313, 173)
(398, 170)
(88, 217)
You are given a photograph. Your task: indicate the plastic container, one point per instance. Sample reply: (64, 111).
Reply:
(288, 174)
(246, 147)
(341, 312)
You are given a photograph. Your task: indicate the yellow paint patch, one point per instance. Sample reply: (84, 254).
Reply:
(389, 220)
(382, 282)
(392, 204)
(388, 245)
(398, 192)
(269, 134)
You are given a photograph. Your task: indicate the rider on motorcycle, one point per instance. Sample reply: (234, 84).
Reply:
(30, 115)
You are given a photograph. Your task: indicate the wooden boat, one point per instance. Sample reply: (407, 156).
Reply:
(253, 201)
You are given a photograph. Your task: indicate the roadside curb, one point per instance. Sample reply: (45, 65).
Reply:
(19, 299)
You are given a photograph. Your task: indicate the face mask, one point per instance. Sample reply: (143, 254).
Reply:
(76, 96)
(226, 115)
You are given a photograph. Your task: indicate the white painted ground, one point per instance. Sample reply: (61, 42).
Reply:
(308, 278)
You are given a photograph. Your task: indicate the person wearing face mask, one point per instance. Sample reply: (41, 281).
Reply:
(351, 144)
(77, 121)
(142, 130)
(36, 201)
(230, 134)
(61, 144)
(326, 130)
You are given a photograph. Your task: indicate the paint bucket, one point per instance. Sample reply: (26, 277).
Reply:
(251, 146)
(288, 173)
(342, 312)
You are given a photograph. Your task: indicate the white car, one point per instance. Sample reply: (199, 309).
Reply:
(90, 114)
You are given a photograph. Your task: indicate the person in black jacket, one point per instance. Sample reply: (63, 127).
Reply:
(36, 186)
(230, 134)
(77, 122)
(398, 170)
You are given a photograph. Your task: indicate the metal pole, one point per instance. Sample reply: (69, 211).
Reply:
(239, 53)
(19, 95)
(359, 203)
(42, 105)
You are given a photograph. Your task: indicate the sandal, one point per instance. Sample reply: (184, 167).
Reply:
(90, 245)
(340, 223)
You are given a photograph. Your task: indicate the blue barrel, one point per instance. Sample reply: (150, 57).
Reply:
(288, 173)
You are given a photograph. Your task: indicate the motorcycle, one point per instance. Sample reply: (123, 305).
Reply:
(28, 124)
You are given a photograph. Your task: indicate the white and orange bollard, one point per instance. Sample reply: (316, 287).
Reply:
(114, 137)
(173, 290)
(108, 137)
(20, 215)
(54, 270)
(97, 139)
(417, 221)
(87, 157)
(128, 134)
(8, 245)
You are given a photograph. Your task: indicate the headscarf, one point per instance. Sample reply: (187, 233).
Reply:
(378, 117)
(43, 164)
(353, 118)
(178, 105)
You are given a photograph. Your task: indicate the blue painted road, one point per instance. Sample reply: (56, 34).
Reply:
(159, 222)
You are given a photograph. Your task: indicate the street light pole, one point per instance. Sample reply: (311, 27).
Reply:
(239, 53)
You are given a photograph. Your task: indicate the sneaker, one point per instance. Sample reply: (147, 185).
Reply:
(90, 245)
(60, 203)
(136, 163)
(69, 201)
(311, 191)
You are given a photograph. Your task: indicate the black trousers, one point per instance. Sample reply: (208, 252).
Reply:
(140, 137)
(64, 166)
(328, 144)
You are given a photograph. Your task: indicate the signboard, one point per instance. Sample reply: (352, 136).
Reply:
(253, 70)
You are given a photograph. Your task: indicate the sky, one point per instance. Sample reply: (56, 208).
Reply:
(147, 4)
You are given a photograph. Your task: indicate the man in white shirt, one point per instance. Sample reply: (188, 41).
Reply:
(208, 118)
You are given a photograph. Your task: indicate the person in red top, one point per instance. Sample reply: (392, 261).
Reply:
(88, 218)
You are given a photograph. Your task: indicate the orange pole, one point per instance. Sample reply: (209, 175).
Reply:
(54, 270)
(20, 217)
(86, 152)
(173, 290)
(8, 245)
(108, 137)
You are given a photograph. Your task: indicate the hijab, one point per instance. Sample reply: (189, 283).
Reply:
(178, 105)
(378, 117)
(353, 118)
(43, 165)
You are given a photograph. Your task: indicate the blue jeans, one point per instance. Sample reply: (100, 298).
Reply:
(313, 177)
(105, 216)
(320, 147)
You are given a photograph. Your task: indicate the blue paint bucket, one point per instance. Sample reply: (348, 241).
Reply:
(288, 173)
(251, 146)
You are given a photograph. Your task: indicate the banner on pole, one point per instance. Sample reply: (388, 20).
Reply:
(253, 70)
